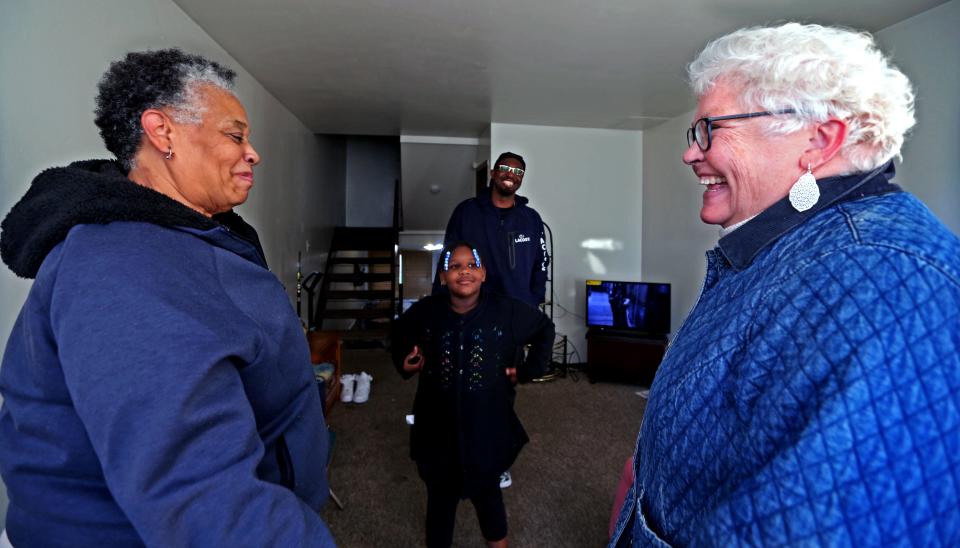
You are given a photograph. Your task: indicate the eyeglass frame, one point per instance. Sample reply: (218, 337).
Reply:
(518, 171)
(709, 120)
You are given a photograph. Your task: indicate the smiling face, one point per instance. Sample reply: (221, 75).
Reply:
(746, 170)
(463, 275)
(214, 163)
(506, 183)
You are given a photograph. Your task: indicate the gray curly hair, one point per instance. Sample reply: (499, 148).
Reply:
(166, 78)
(819, 72)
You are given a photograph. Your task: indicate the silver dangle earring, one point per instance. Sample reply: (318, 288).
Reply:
(169, 155)
(804, 193)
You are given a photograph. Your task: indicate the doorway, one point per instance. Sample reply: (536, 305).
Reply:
(482, 178)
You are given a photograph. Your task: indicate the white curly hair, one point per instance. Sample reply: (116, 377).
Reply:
(819, 72)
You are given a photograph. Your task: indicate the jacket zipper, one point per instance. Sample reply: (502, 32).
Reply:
(285, 463)
(239, 238)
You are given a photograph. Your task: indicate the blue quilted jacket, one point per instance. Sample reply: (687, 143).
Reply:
(812, 396)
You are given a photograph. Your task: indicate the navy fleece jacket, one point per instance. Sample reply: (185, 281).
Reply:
(156, 386)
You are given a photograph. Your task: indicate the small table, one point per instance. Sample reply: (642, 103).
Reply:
(624, 357)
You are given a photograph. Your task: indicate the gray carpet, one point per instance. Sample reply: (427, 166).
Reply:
(564, 479)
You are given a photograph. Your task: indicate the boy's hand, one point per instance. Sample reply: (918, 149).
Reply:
(512, 373)
(414, 361)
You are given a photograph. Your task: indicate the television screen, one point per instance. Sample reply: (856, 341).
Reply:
(635, 306)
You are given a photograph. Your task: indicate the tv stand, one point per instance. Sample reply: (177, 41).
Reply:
(623, 356)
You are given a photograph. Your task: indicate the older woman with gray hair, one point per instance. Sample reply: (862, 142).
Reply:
(156, 387)
(812, 395)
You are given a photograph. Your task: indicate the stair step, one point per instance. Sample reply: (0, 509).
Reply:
(351, 335)
(365, 335)
(372, 294)
(364, 238)
(361, 277)
(356, 313)
(361, 260)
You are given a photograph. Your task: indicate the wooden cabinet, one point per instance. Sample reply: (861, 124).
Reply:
(623, 357)
(326, 346)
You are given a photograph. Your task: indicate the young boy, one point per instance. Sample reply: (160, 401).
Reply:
(465, 431)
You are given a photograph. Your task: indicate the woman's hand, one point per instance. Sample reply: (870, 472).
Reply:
(414, 361)
(512, 373)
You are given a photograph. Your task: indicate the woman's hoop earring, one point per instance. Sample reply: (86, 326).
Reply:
(805, 193)
(169, 155)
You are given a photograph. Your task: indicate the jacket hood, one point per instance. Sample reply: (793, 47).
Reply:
(486, 199)
(91, 192)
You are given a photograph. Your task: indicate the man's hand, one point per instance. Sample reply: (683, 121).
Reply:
(414, 361)
(512, 373)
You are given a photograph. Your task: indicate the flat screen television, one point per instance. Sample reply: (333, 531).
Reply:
(640, 307)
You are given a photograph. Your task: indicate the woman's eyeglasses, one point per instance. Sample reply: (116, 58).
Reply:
(507, 169)
(701, 132)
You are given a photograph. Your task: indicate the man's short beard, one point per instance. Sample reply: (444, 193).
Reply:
(505, 193)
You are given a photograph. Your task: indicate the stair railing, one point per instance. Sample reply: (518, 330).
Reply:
(397, 254)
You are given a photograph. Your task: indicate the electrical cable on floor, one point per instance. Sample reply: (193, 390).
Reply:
(567, 311)
(570, 368)
(551, 305)
(560, 359)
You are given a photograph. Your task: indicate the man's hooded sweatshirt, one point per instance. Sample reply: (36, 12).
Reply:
(511, 242)
(156, 385)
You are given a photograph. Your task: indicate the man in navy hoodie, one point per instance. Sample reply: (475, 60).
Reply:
(507, 232)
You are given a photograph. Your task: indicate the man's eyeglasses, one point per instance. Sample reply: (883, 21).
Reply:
(507, 169)
(701, 131)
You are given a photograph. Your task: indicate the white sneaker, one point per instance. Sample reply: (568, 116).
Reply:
(362, 393)
(347, 382)
(506, 480)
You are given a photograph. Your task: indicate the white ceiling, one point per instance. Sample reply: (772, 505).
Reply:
(450, 67)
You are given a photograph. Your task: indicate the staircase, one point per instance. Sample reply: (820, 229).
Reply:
(360, 283)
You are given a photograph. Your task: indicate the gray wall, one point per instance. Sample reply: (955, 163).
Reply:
(51, 56)
(373, 166)
(924, 47)
(587, 185)
(483, 149)
(449, 167)
(674, 239)
(321, 205)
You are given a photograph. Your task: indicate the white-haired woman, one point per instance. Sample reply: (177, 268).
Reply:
(157, 386)
(812, 395)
